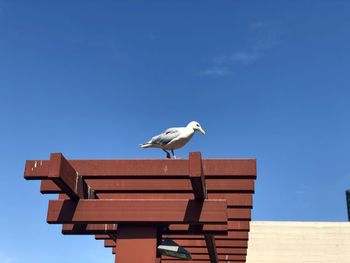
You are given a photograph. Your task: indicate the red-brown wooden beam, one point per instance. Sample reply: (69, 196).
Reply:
(65, 177)
(220, 251)
(196, 229)
(234, 213)
(113, 211)
(200, 261)
(239, 213)
(228, 251)
(102, 237)
(36, 170)
(221, 258)
(196, 250)
(238, 225)
(158, 185)
(236, 230)
(174, 229)
(224, 246)
(196, 176)
(230, 235)
(225, 258)
(170, 260)
(219, 243)
(49, 187)
(110, 243)
(233, 199)
(89, 229)
(99, 169)
(163, 185)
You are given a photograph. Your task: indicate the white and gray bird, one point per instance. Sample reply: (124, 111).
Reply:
(173, 138)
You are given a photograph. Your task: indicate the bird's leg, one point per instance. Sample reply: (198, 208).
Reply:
(167, 154)
(172, 151)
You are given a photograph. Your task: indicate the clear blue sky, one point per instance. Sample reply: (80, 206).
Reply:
(266, 79)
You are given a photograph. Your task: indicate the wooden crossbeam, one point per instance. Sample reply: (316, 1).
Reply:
(154, 185)
(225, 258)
(239, 230)
(224, 251)
(49, 187)
(110, 243)
(191, 229)
(157, 185)
(163, 186)
(102, 237)
(220, 251)
(182, 230)
(65, 177)
(196, 176)
(238, 225)
(233, 235)
(89, 229)
(62, 178)
(103, 169)
(233, 199)
(219, 243)
(197, 246)
(191, 245)
(230, 254)
(233, 225)
(199, 261)
(114, 211)
(239, 213)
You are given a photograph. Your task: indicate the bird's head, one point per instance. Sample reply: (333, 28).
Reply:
(195, 126)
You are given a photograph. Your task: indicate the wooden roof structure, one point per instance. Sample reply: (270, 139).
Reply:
(204, 205)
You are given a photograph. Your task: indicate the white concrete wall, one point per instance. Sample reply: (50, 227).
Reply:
(299, 242)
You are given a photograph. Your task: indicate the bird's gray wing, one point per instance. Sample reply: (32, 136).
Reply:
(166, 137)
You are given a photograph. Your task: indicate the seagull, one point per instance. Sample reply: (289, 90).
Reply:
(173, 138)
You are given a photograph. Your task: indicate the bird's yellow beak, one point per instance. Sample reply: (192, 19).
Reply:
(201, 130)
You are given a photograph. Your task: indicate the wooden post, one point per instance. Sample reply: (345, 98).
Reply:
(197, 177)
(136, 244)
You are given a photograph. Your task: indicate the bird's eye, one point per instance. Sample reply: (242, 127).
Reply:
(197, 125)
